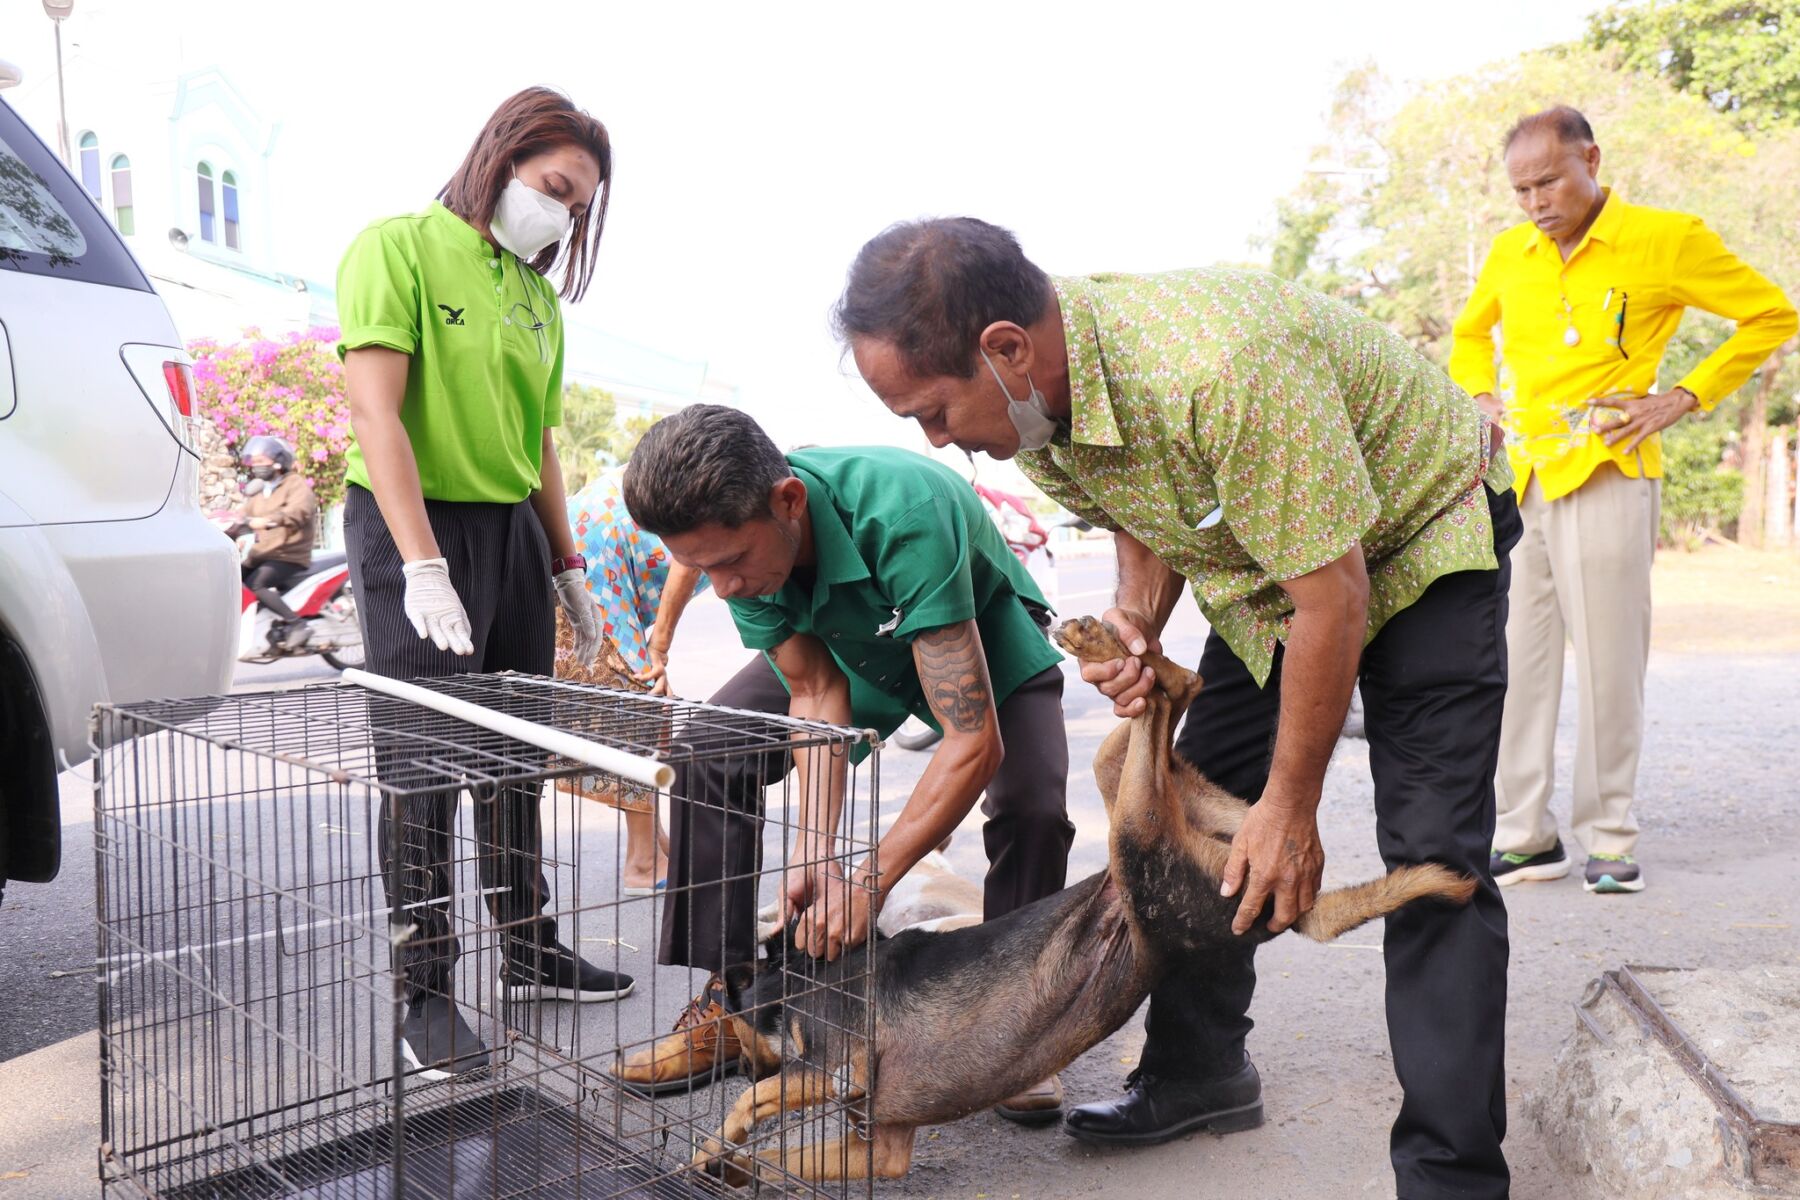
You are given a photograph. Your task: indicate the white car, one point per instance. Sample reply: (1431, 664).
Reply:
(113, 586)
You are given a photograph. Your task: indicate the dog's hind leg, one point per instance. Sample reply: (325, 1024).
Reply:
(776, 1094)
(770, 1096)
(888, 1155)
(796, 1087)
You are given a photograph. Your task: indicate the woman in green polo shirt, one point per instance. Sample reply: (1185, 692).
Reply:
(455, 521)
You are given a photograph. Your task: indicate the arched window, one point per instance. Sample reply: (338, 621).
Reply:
(208, 230)
(90, 165)
(229, 201)
(121, 188)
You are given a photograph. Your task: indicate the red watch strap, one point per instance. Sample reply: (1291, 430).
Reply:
(571, 562)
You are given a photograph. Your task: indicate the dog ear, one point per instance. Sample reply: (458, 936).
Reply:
(779, 948)
(739, 980)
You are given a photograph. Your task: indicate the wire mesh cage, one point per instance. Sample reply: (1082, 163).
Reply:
(294, 888)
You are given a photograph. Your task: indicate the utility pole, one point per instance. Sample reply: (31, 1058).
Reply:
(58, 11)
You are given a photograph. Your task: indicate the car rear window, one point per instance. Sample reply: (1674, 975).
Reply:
(48, 226)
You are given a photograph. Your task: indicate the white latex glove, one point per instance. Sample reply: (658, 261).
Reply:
(433, 606)
(584, 616)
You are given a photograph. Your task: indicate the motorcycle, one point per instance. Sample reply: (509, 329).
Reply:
(321, 599)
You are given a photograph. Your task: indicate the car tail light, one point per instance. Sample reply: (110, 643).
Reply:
(166, 378)
(180, 378)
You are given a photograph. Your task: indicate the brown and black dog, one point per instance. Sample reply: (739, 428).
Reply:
(965, 1019)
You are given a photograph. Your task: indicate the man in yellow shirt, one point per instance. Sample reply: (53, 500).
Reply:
(1588, 292)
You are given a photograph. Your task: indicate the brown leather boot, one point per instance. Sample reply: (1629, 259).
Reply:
(702, 1049)
(1041, 1104)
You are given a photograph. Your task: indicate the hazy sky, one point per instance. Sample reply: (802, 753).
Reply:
(757, 147)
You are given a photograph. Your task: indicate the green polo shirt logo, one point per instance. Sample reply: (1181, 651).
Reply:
(903, 545)
(478, 394)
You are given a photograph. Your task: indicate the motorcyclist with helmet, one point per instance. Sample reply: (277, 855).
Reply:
(282, 512)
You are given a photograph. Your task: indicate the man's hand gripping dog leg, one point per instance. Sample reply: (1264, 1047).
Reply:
(1126, 681)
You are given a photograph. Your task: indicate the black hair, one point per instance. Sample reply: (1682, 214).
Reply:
(1569, 126)
(930, 287)
(706, 465)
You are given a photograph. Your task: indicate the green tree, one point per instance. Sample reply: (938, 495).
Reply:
(1700, 495)
(1741, 58)
(592, 438)
(630, 434)
(586, 442)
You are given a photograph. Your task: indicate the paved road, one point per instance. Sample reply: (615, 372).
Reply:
(1717, 816)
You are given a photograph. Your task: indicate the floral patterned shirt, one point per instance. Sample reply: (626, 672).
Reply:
(1248, 431)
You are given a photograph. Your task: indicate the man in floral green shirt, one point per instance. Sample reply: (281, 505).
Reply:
(1332, 499)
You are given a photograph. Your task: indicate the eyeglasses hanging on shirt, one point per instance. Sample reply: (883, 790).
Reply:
(537, 324)
(1618, 337)
(1572, 335)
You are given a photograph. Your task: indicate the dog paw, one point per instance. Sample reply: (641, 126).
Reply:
(722, 1163)
(1090, 639)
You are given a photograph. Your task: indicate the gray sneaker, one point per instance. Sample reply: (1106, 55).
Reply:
(1613, 873)
(1511, 868)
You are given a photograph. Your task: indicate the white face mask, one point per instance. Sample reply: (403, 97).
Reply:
(1030, 416)
(525, 220)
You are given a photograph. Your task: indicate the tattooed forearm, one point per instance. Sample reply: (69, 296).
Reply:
(953, 673)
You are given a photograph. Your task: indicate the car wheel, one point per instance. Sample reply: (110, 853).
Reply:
(343, 631)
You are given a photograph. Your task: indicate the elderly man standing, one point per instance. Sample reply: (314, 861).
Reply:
(1588, 292)
(1330, 497)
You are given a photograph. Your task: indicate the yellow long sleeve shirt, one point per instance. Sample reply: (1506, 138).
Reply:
(1622, 292)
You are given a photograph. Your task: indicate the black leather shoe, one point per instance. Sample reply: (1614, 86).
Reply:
(1153, 1110)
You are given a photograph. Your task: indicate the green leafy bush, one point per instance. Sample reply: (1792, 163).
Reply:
(1700, 494)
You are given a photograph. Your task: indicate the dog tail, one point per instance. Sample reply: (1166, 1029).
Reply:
(1339, 911)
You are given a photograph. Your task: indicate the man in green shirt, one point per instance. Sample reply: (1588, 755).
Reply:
(1333, 501)
(875, 586)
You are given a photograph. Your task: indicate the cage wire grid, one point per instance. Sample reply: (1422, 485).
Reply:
(254, 964)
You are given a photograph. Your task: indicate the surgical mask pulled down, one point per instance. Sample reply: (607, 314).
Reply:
(526, 220)
(1030, 417)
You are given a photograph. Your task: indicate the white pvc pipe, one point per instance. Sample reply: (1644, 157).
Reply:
(647, 772)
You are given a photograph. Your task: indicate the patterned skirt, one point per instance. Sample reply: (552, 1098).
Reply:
(609, 670)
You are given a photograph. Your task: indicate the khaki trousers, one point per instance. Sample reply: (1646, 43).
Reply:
(1581, 572)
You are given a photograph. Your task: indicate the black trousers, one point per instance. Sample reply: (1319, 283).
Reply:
(715, 822)
(267, 579)
(499, 563)
(1433, 683)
